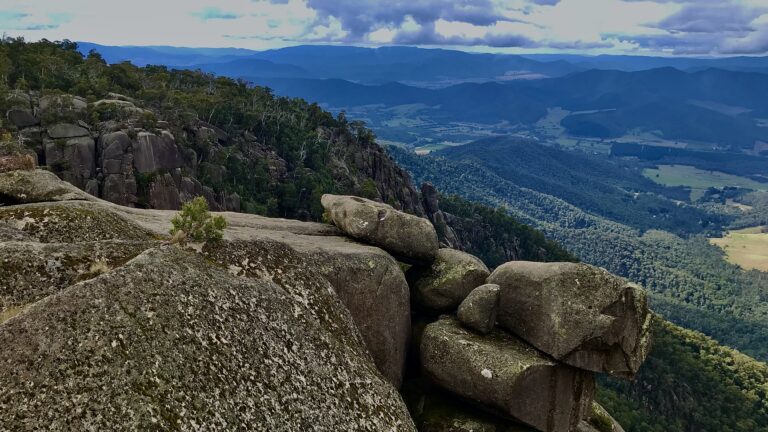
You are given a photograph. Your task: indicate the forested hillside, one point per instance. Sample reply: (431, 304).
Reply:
(690, 285)
(273, 155)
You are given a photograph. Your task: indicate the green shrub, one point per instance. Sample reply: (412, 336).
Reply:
(195, 222)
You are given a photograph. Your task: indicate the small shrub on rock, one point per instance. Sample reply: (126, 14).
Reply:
(196, 222)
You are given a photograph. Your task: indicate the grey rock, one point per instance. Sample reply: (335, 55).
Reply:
(366, 279)
(170, 341)
(31, 271)
(22, 118)
(410, 238)
(67, 130)
(478, 311)
(505, 375)
(73, 159)
(232, 202)
(153, 153)
(72, 221)
(164, 194)
(450, 278)
(579, 314)
(20, 187)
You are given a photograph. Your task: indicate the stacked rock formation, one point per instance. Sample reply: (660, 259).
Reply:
(287, 325)
(557, 322)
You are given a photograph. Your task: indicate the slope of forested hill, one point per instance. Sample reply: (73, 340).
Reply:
(690, 284)
(147, 136)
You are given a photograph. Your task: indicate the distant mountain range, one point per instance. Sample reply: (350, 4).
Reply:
(721, 103)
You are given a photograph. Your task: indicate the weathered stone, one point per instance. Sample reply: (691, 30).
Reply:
(22, 118)
(478, 311)
(163, 193)
(579, 314)
(367, 280)
(450, 278)
(66, 130)
(505, 375)
(20, 187)
(599, 420)
(434, 410)
(73, 159)
(153, 153)
(72, 221)
(31, 271)
(169, 341)
(232, 202)
(9, 233)
(408, 237)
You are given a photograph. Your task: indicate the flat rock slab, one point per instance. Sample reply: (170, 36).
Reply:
(502, 373)
(170, 341)
(579, 314)
(443, 285)
(408, 237)
(22, 187)
(67, 130)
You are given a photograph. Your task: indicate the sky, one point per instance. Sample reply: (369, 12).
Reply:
(667, 27)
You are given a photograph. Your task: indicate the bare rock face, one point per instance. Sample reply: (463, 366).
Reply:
(73, 158)
(478, 311)
(579, 314)
(153, 153)
(506, 376)
(31, 271)
(443, 285)
(410, 238)
(22, 118)
(169, 341)
(367, 280)
(67, 130)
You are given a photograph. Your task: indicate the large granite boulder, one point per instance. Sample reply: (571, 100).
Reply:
(22, 118)
(443, 285)
(579, 314)
(31, 271)
(478, 311)
(73, 159)
(20, 187)
(503, 374)
(169, 341)
(410, 238)
(366, 279)
(152, 153)
(67, 130)
(116, 161)
(73, 221)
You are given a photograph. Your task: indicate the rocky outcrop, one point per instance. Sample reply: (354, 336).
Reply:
(113, 329)
(408, 237)
(119, 350)
(599, 420)
(478, 311)
(443, 285)
(579, 314)
(506, 375)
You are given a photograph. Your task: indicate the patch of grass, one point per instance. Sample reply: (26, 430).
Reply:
(747, 248)
(699, 180)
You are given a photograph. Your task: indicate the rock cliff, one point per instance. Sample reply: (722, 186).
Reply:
(284, 325)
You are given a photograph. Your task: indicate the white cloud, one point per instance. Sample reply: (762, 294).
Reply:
(498, 25)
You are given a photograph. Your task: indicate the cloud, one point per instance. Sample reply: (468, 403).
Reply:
(707, 27)
(211, 13)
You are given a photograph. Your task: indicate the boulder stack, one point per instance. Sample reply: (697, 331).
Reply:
(579, 314)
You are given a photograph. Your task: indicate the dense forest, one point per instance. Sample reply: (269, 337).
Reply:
(690, 284)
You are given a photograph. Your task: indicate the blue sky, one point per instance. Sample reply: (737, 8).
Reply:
(679, 27)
